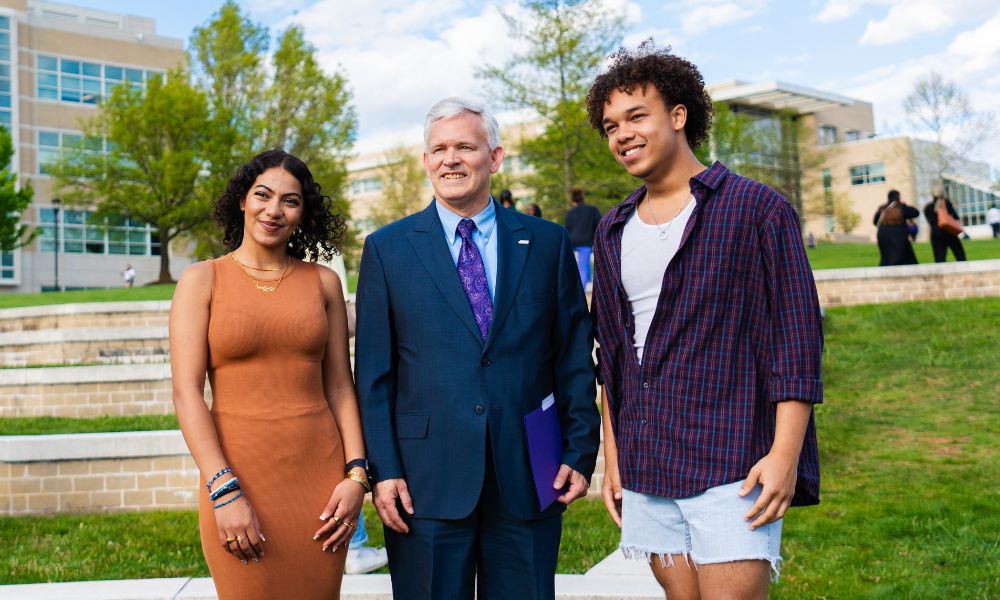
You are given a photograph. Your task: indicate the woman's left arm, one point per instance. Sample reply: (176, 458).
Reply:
(338, 384)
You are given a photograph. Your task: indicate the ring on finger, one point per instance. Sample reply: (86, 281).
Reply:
(230, 540)
(239, 539)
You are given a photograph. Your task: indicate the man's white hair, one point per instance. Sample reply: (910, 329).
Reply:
(454, 106)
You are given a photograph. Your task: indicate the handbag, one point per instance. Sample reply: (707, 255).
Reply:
(946, 222)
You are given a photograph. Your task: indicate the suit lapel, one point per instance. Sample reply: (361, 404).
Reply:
(427, 238)
(512, 254)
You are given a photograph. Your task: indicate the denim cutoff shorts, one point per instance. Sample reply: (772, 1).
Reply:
(709, 528)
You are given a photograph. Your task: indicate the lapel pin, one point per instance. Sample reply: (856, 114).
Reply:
(525, 242)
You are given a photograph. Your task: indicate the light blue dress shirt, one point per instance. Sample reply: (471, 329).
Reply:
(485, 238)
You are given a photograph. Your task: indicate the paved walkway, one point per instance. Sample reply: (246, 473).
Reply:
(613, 577)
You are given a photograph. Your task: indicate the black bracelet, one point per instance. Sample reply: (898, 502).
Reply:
(357, 462)
(228, 487)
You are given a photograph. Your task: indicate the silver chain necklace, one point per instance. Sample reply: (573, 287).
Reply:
(665, 231)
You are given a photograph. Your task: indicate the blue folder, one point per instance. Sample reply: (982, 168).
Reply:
(545, 447)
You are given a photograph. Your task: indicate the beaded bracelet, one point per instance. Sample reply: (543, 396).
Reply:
(233, 499)
(230, 486)
(208, 486)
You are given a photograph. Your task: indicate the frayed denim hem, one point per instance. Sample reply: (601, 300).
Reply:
(774, 561)
(666, 558)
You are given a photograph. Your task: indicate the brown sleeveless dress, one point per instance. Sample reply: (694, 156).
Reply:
(277, 432)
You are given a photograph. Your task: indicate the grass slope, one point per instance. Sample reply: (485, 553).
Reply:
(909, 437)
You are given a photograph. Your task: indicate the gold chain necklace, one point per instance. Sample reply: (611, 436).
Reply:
(266, 286)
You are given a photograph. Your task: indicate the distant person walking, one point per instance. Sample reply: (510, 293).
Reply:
(941, 240)
(993, 218)
(128, 275)
(581, 221)
(534, 210)
(893, 238)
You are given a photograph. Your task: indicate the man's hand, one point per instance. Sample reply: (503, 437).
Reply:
(776, 473)
(578, 484)
(384, 497)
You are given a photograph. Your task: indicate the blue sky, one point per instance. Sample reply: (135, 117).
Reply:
(402, 55)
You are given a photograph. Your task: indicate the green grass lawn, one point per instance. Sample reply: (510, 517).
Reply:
(842, 256)
(148, 292)
(909, 438)
(909, 443)
(51, 425)
(166, 544)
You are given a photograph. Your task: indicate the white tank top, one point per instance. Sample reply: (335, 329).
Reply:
(646, 252)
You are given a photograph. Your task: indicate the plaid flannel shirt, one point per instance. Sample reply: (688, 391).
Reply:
(737, 328)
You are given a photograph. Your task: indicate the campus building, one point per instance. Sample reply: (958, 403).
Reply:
(56, 63)
(820, 150)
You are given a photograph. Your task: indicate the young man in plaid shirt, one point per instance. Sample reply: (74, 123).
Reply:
(710, 343)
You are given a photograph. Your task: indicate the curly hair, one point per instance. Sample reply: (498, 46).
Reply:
(677, 80)
(319, 233)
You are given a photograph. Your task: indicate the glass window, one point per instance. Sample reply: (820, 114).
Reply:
(71, 67)
(5, 23)
(852, 135)
(91, 69)
(870, 173)
(133, 75)
(7, 266)
(827, 134)
(47, 63)
(827, 179)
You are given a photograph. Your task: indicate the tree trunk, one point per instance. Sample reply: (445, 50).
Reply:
(164, 259)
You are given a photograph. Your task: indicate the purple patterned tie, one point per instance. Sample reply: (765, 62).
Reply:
(473, 275)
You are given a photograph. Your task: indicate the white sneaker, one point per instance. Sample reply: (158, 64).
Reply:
(365, 560)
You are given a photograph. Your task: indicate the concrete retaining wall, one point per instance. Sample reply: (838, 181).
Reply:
(96, 472)
(881, 285)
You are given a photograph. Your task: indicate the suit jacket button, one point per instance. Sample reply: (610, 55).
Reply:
(480, 409)
(486, 362)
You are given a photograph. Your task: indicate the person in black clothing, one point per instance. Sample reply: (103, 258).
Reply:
(941, 240)
(893, 238)
(581, 221)
(507, 200)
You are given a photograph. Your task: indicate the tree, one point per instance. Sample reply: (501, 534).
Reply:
(292, 104)
(938, 106)
(13, 201)
(566, 43)
(158, 141)
(403, 190)
(308, 113)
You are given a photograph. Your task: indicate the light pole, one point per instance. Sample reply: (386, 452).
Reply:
(55, 209)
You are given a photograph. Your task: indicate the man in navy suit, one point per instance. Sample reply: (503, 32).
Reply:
(469, 315)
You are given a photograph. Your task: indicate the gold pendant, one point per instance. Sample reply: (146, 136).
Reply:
(265, 288)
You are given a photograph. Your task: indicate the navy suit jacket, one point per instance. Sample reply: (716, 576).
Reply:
(430, 388)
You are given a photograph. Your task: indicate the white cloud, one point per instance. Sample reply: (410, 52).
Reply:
(839, 10)
(401, 56)
(972, 61)
(699, 16)
(907, 19)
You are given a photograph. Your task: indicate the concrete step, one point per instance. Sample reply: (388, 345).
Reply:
(105, 345)
(85, 316)
(88, 391)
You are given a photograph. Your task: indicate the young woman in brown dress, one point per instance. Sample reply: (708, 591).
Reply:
(270, 331)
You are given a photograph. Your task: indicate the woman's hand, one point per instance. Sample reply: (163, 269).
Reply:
(341, 515)
(239, 530)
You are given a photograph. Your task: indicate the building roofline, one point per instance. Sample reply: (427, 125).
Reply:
(100, 23)
(779, 95)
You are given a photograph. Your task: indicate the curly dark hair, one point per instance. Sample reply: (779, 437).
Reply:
(677, 80)
(319, 233)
